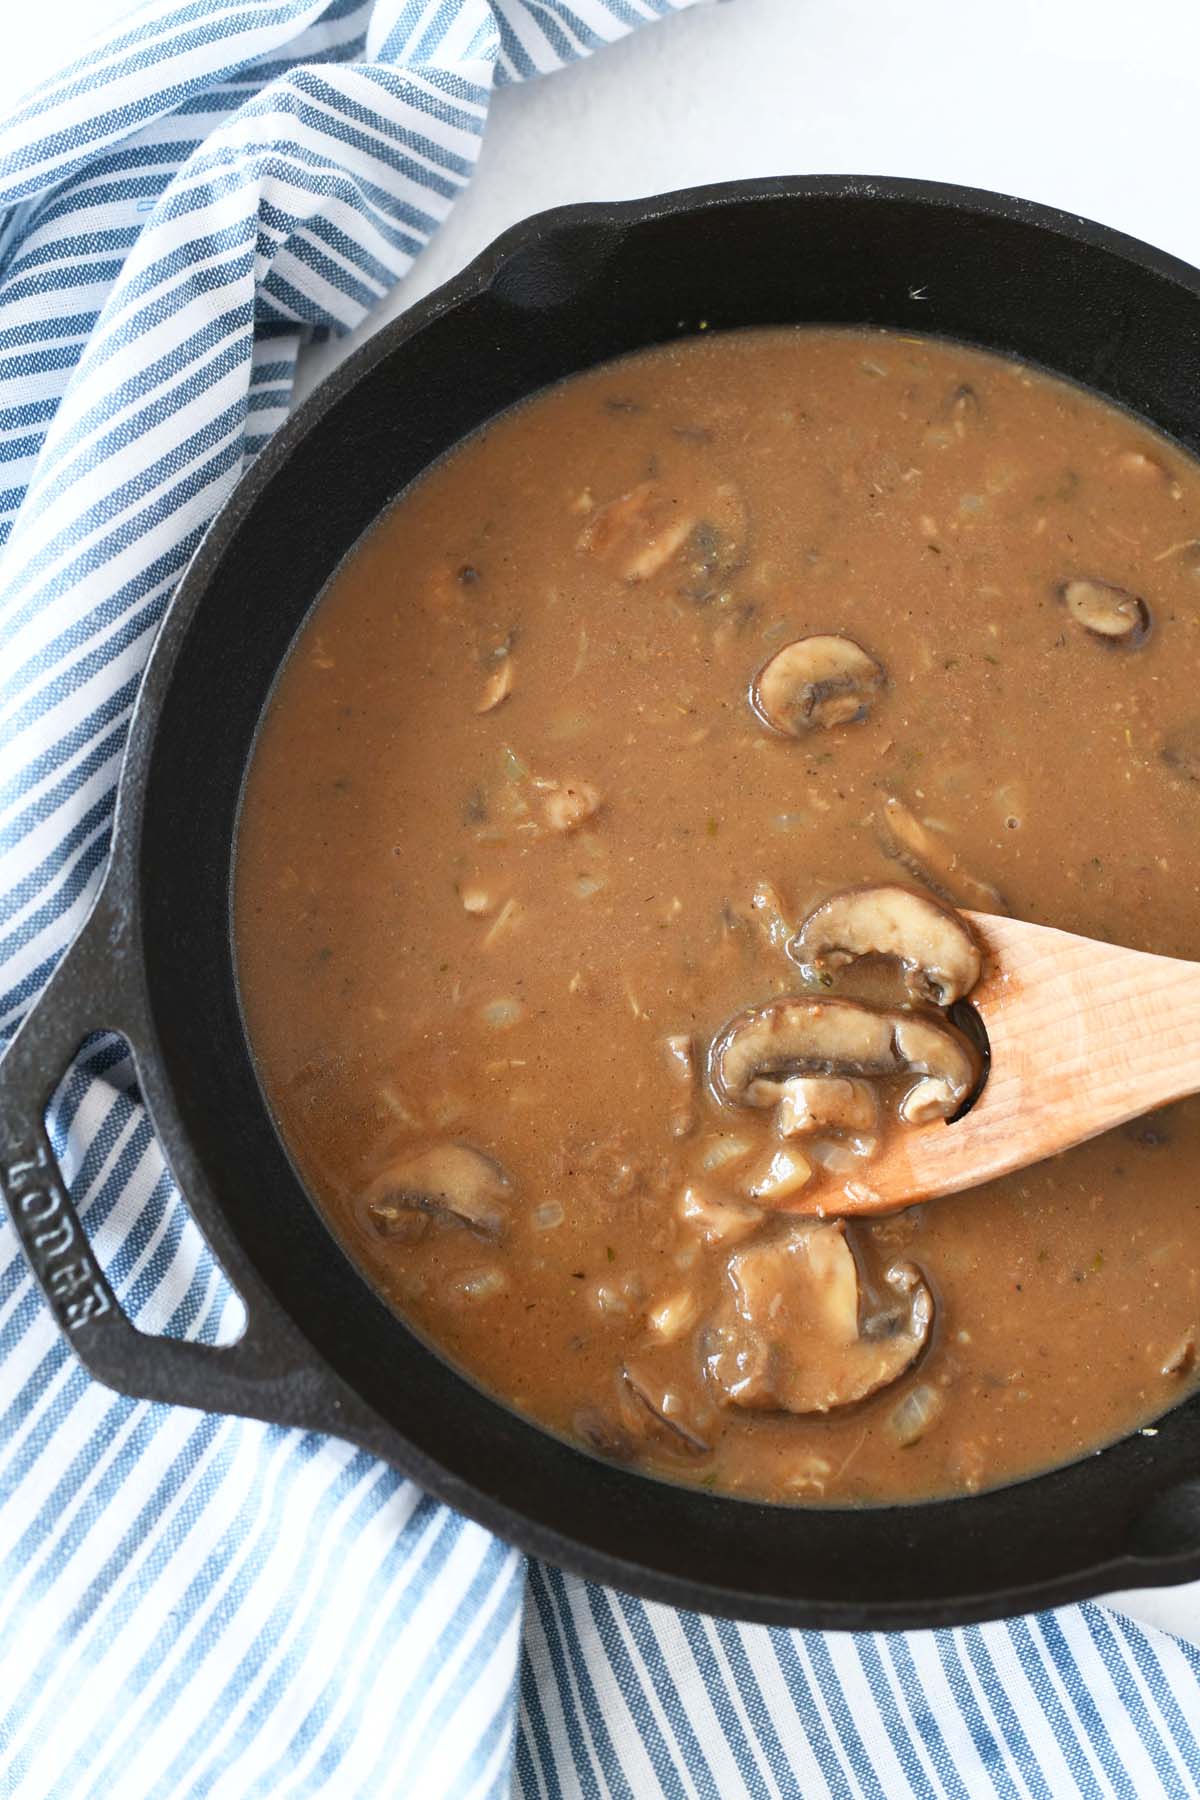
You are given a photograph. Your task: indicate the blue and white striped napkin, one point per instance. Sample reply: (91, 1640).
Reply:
(198, 1606)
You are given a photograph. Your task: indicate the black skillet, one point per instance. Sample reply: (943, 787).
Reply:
(559, 293)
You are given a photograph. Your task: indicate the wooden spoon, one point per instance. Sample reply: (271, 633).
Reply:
(1083, 1037)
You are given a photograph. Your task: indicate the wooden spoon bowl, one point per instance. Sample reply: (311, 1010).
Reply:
(1083, 1036)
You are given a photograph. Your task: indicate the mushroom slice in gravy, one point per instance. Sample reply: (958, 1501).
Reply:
(760, 1049)
(933, 861)
(447, 1181)
(703, 535)
(638, 532)
(601, 1433)
(934, 946)
(1108, 612)
(947, 1060)
(662, 1384)
(816, 682)
(792, 1335)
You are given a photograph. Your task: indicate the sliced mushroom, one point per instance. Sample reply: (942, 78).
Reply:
(927, 1100)
(934, 862)
(603, 1435)
(663, 1388)
(446, 1181)
(399, 1224)
(934, 946)
(681, 1063)
(815, 682)
(638, 532)
(947, 1059)
(1108, 612)
(793, 1333)
(812, 1103)
(760, 1049)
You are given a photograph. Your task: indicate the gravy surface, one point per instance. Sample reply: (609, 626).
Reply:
(512, 823)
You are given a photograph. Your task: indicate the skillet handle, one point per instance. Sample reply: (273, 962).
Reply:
(269, 1372)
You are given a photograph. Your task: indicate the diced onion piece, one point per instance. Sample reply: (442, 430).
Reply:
(842, 1158)
(914, 1415)
(809, 1476)
(481, 1284)
(507, 919)
(549, 1216)
(568, 805)
(670, 1318)
(609, 1299)
(767, 904)
(839, 1159)
(718, 1221)
(720, 1151)
(681, 1064)
(785, 1174)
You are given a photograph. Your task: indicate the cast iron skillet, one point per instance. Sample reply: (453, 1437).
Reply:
(154, 961)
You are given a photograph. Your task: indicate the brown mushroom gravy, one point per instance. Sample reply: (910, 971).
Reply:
(545, 941)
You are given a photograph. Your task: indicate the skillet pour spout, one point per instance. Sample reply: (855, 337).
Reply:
(154, 960)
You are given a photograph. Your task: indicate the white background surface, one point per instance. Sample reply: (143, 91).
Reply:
(1090, 105)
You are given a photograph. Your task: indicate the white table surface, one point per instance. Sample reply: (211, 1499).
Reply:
(1090, 105)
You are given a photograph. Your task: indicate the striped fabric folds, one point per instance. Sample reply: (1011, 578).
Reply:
(621, 1699)
(196, 1606)
(203, 1606)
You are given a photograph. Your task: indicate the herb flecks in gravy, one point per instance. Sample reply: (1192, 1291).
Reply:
(555, 813)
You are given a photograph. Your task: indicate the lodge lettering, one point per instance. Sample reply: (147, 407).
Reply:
(38, 1207)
